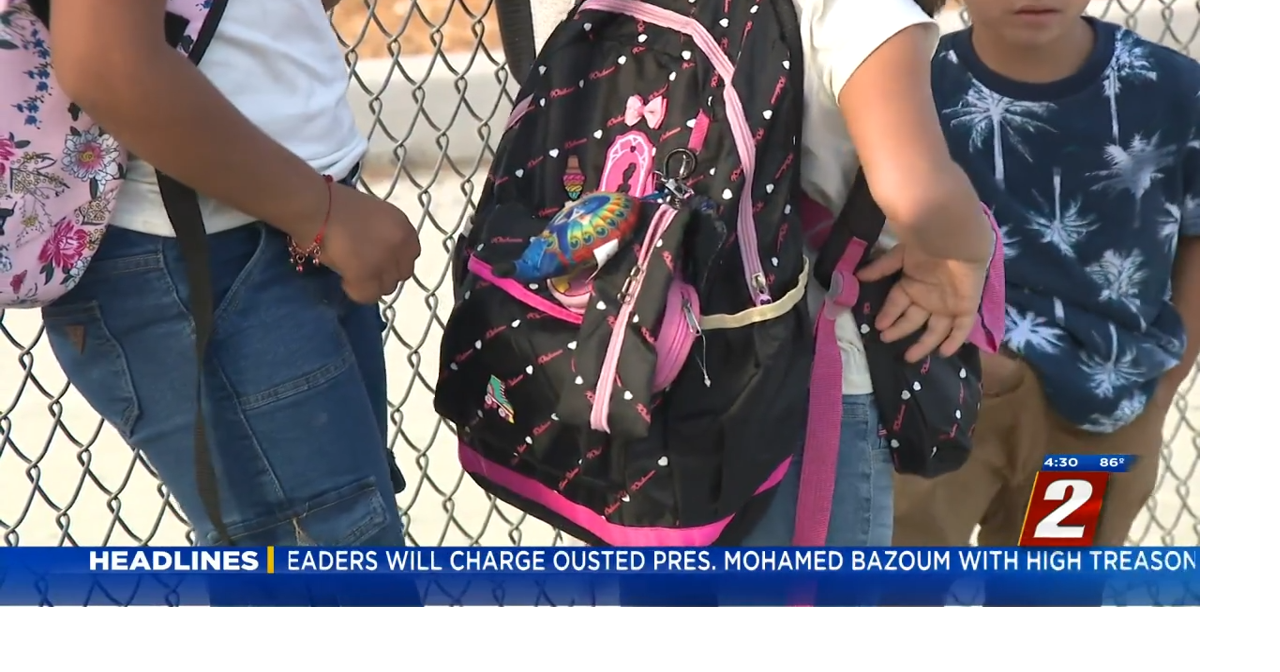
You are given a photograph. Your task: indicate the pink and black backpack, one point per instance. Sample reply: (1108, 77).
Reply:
(630, 356)
(60, 173)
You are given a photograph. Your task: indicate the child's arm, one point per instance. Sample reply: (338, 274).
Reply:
(875, 60)
(112, 59)
(1186, 273)
(1186, 300)
(889, 109)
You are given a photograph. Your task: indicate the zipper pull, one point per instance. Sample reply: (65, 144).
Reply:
(629, 284)
(760, 284)
(706, 377)
(691, 319)
(696, 329)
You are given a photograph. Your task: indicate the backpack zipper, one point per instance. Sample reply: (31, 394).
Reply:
(696, 330)
(676, 335)
(630, 292)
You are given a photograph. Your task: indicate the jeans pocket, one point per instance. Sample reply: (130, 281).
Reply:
(1010, 377)
(860, 414)
(278, 330)
(349, 514)
(93, 361)
(864, 491)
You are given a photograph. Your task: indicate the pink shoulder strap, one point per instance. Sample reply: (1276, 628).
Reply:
(822, 439)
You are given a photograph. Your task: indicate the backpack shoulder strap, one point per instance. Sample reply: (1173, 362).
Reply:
(515, 23)
(526, 29)
(860, 218)
(183, 207)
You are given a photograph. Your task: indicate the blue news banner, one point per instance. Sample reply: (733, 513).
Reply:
(561, 576)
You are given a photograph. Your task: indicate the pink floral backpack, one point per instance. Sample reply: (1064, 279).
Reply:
(59, 172)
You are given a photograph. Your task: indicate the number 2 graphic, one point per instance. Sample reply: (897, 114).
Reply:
(1051, 526)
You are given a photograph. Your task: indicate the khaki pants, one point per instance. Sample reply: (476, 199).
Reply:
(1016, 430)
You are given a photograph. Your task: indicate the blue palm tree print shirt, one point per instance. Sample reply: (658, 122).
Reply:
(1093, 179)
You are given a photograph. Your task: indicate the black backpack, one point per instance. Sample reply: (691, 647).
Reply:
(928, 409)
(660, 403)
(711, 386)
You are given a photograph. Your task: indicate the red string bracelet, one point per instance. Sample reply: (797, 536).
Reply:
(299, 256)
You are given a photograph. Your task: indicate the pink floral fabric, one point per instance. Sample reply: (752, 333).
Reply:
(59, 172)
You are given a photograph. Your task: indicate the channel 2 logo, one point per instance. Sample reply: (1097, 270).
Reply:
(1067, 499)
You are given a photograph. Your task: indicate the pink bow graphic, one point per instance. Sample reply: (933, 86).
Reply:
(653, 112)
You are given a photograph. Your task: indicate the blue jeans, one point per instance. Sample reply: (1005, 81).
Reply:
(862, 506)
(294, 388)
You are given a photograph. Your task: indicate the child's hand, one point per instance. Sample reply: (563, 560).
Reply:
(370, 243)
(941, 296)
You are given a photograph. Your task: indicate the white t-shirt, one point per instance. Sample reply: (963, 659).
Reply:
(838, 36)
(280, 64)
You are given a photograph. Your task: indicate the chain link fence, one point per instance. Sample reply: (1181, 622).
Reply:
(428, 84)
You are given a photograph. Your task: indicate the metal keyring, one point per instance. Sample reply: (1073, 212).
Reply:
(688, 163)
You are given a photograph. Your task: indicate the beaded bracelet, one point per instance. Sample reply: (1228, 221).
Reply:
(299, 256)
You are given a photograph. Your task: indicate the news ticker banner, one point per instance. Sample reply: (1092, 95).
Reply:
(302, 576)
(1068, 497)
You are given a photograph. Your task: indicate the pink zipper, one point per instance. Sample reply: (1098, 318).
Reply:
(630, 292)
(676, 335)
(747, 243)
(517, 290)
